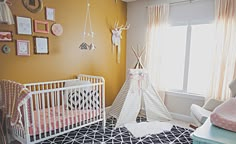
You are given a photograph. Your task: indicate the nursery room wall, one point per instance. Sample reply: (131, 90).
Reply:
(203, 10)
(65, 60)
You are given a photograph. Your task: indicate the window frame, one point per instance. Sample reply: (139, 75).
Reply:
(184, 89)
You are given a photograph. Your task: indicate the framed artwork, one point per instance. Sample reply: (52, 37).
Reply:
(6, 36)
(23, 47)
(41, 26)
(57, 29)
(50, 14)
(33, 6)
(24, 25)
(41, 45)
(6, 49)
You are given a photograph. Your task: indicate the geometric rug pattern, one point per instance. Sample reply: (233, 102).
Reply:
(95, 134)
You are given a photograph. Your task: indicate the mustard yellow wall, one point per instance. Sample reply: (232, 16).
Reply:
(66, 60)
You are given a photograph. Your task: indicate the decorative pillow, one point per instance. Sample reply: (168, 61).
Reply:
(84, 100)
(74, 83)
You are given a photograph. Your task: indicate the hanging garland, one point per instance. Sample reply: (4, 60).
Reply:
(84, 45)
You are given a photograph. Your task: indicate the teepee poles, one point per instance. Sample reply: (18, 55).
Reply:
(138, 55)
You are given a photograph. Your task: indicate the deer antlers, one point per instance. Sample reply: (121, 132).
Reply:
(121, 27)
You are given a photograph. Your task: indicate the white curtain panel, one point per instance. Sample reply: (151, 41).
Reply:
(224, 54)
(157, 24)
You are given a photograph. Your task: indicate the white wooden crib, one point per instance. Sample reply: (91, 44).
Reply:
(58, 107)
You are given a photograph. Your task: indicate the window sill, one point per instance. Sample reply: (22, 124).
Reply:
(185, 95)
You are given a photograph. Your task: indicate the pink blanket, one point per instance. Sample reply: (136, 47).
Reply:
(224, 116)
(70, 117)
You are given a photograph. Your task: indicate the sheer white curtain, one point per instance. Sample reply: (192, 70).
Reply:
(224, 54)
(157, 24)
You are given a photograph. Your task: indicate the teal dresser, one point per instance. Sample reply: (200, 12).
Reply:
(210, 134)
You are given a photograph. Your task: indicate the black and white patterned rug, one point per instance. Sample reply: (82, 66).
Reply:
(95, 134)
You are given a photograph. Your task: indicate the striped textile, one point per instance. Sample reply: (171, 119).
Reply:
(11, 97)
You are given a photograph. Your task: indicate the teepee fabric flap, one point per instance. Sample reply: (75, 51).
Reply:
(154, 107)
(130, 109)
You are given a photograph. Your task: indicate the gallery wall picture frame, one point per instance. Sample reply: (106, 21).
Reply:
(41, 26)
(50, 14)
(57, 29)
(23, 47)
(24, 25)
(6, 36)
(6, 49)
(41, 45)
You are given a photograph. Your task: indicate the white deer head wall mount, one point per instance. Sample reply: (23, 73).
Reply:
(117, 36)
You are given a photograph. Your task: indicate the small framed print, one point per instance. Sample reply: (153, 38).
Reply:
(41, 45)
(23, 47)
(6, 36)
(50, 14)
(24, 25)
(41, 26)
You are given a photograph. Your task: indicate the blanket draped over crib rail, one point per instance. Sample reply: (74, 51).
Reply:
(12, 95)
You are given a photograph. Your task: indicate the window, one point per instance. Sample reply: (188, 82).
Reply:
(173, 57)
(202, 43)
(187, 57)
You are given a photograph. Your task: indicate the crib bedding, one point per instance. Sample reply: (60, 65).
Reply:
(57, 121)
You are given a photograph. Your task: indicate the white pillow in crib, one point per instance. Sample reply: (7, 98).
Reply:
(70, 92)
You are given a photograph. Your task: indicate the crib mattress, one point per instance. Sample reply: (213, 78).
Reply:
(224, 116)
(57, 121)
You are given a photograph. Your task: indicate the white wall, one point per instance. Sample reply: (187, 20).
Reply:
(201, 11)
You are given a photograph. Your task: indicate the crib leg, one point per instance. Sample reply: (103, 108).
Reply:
(104, 124)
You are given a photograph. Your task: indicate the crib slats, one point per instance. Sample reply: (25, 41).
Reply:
(84, 115)
(58, 108)
(38, 112)
(76, 108)
(80, 115)
(67, 109)
(90, 104)
(96, 105)
(63, 110)
(32, 110)
(103, 104)
(26, 115)
(44, 112)
(53, 111)
(72, 113)
(48, 108)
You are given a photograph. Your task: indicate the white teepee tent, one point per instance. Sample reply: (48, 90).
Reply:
(138, 94)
